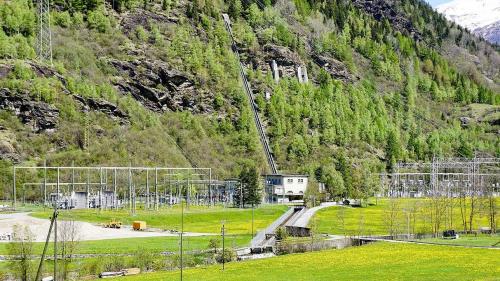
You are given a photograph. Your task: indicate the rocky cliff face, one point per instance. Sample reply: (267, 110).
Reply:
(40, 116)
(159, 87)
(383, 9)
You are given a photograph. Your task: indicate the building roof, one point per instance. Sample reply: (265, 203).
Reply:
(286, 175)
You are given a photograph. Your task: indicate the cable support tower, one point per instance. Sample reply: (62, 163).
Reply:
(44, 34)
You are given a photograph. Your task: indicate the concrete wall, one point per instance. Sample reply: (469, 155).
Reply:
(313, 245)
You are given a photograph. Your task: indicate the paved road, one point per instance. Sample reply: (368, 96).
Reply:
(87, 231)
(304, 219)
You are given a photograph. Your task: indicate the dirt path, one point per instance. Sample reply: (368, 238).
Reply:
(87, 231)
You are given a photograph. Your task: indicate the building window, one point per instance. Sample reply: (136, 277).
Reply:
(274, 181)
(301, 180)
(289, 180)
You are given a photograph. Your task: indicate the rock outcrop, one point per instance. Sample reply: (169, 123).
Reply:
(160, 88)
(5, 70)
(337, 69)
(382, 9)
(39, 115)
(141, 17)
(103, 106)
(286, 60)
(8, 149)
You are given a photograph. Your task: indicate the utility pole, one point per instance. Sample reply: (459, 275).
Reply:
(44, 36)
(44, 183)
(182, 231)
(55, 228)
(241, 195)
(252, 217)
(14, 187)
(223, 232)
(52, 220)
(408, 224)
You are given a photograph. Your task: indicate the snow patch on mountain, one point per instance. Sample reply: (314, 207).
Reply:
(480, 16)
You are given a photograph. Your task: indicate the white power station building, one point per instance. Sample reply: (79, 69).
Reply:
(284, 188)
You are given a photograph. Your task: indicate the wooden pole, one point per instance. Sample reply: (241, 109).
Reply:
(52, 220)
(156, 189)
(44, 183)
(182, 232)
(14, 188)
(147, 190)
(55, 228)
(100, 188)
(115, 191)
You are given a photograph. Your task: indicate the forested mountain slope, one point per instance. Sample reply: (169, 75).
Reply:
(156, 82)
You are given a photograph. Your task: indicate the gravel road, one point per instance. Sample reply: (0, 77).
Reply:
(87, 231)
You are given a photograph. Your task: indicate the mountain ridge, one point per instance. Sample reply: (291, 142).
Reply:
(480, 16)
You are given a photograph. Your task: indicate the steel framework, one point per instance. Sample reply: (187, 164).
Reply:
(119, 187)
(44, 36)
(449, 177)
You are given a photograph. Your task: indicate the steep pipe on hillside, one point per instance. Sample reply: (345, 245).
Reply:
(263, 137)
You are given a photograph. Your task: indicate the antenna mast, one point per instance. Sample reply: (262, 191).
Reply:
(44, 36)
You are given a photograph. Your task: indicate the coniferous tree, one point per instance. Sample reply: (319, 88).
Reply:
(250, 192)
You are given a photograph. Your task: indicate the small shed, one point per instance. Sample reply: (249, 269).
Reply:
(139, 225)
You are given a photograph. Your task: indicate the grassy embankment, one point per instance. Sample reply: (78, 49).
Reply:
(379, 261)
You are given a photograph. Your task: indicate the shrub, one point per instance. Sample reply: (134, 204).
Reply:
(141, 33)
(97, 20)
(225, 256)
(22, 71)
(77, 19)
(63, 19)
(143, 259)
(281, 234)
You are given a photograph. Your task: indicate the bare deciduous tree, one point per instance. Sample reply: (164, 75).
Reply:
(462, 201)
(437, 210)
(341, 219)
(491, 203)
(392, 216)
(21, 248)
(68, 239)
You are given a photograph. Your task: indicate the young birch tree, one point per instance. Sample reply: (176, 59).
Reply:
(21, 248)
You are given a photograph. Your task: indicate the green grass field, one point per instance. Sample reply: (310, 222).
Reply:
(468, 240)
(378, 261)
(196, 218)
(151, 244)
(371, 220)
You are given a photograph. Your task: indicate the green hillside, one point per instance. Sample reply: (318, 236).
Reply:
(155, 82)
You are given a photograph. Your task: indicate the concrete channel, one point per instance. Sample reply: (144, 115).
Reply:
(295, 220)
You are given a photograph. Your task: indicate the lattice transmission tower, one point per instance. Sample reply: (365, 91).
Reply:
(44, 36)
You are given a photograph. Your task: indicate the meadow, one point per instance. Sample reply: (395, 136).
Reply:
(373, 219)
(483, 240)
(196, 218)
(377, 261)
(149, 244)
